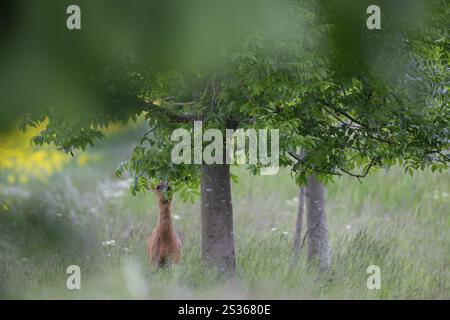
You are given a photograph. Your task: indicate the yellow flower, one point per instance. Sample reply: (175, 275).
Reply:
(11, 179)
(82, 159)
(23, 179)
(23, 161)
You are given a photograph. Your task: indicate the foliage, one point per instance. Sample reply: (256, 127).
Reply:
(289, 73)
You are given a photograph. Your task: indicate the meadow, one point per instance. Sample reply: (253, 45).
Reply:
(86, 216)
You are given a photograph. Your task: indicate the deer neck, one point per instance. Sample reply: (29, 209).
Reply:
(165, 218)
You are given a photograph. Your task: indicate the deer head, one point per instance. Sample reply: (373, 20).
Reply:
(163, 191)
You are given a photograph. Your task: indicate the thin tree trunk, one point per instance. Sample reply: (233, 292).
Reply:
(317, 238)
(217, 218)
(299, 225)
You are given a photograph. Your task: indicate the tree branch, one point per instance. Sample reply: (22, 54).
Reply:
(176, 103)
(172, 116)
(300, 158)
(358, 176)
(362, 175)
(349, 125)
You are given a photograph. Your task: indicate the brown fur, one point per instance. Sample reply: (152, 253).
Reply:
(163, 246)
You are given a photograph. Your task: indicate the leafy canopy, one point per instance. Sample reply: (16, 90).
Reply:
(288, 68)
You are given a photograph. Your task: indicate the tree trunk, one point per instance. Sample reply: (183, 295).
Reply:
(317, 238)
(299, 225)
(217, 218)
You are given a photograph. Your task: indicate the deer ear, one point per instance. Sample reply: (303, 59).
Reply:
(162, 186)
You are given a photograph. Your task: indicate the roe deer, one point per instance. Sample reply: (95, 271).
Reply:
(163, 246)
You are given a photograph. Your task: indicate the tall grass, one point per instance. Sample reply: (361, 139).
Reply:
(391, 220)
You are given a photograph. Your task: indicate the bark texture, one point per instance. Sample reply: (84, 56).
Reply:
(317, 238)
(217, 218)
(299, 225)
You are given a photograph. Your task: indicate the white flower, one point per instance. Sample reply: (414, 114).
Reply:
(274, 229)
(114, 189)
(123, 184)
(110, 194)
(348, 227)
(176, 217)
(109, 243)
(292, 202)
